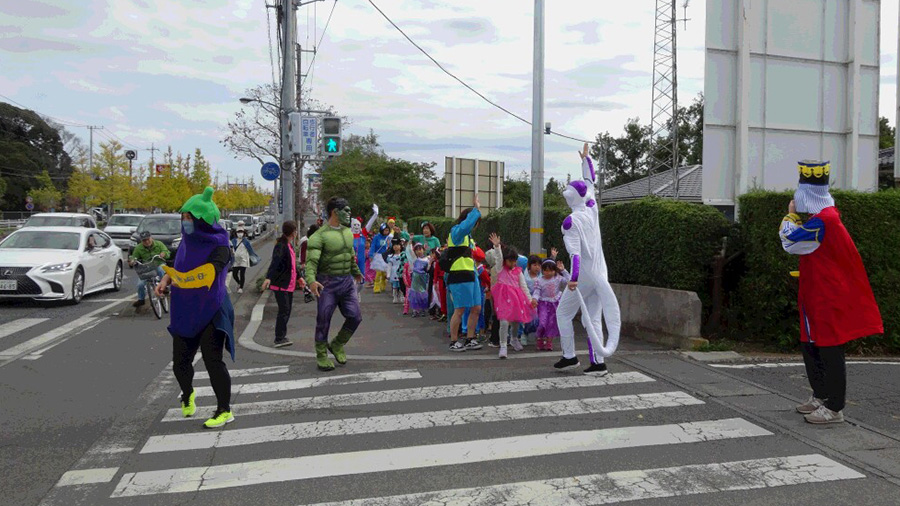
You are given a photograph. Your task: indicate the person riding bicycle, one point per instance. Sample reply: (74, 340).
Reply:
(145, 252)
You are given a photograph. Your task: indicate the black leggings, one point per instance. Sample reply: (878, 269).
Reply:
(827, 373)
(211, 345)
(285, 302)
(240, 275)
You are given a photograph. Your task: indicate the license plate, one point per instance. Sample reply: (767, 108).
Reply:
(9, 284)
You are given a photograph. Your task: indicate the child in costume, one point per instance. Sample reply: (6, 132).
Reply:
(332, 274)
(835, 300)
(589, 289)
(405, 273)
(359, 238)
(440, 286)
(547, 291)
(380, 246)
(369, 272)
(514, 304)
(532, 274)
(393, 261)
(417, 294)
(202, 316)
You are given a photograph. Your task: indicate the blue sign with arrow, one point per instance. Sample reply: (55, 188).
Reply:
(270, 171)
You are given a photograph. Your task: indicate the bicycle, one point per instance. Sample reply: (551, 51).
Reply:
(147, 273)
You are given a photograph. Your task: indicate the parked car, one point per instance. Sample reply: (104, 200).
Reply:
(165, 228)
(63, 263)
(121, 226)
(248, 223)
(61, 220)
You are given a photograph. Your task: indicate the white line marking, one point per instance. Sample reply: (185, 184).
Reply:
(19, 325)
(326, 381)
(37, 354)
(38, 342)
(417, 394)
(238, 373)
(407, 421)
(87, 476)
(193, 479)
(771, 365)
(636, 485)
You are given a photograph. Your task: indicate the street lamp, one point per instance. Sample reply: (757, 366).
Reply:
(246, 100)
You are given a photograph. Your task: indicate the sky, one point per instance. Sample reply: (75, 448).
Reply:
(170, 72)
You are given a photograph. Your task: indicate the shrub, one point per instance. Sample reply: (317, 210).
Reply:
(764, 305)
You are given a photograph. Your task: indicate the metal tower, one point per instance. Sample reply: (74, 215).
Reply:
(664, 107)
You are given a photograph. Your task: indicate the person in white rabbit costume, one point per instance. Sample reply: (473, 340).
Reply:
(589, 288)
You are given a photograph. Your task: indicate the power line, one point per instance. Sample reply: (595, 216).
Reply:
(473, 90)
(60, 121)
(316, 53)
(271, 56)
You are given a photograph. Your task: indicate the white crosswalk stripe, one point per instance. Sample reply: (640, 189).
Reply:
(442, 418)
(420, 394)
(278, 386)
(578, 423)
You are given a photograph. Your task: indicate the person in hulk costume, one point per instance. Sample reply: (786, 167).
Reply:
(331, 270)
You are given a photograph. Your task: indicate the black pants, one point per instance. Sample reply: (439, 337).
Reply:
(827, 373)
(495, 328)
(240, 275)
(285, 302)
(211, 345)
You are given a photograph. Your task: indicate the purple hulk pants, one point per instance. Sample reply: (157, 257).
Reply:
(339, 292)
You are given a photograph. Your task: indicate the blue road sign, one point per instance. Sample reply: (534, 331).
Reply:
(29, 206)
(270, 171)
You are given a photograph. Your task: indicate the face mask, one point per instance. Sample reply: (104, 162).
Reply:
(188, 226)
(240, 234)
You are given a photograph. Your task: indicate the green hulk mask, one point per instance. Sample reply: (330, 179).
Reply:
(344, 216)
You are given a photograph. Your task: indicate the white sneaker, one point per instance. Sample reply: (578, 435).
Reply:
(240, 290)
(809, 406)
(823, 415)
(502, 353)
(516, 344)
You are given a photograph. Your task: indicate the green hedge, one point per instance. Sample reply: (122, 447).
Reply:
(653, 242)
(764, 303)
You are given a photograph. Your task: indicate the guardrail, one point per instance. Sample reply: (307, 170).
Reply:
(5, 224)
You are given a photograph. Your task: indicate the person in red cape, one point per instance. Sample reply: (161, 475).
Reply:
(835, 300)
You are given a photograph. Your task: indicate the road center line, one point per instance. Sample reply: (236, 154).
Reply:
(19, 325)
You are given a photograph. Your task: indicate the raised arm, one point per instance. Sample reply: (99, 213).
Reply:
(373, 218)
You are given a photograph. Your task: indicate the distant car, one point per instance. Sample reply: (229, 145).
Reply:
(228, 225)
(248, 223)
(121, 226)
(63, 263)
(165, 228)
(98, 213)
(61, 220)
(258, 225)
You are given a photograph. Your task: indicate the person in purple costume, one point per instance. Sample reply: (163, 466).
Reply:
(202, 316)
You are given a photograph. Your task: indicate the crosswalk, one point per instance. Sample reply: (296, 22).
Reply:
(389, 431)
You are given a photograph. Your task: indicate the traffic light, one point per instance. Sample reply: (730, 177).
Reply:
(331, 136)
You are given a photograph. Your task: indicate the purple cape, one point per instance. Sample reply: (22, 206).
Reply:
(195, 308)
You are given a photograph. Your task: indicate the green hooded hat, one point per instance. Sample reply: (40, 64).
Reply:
(203, 207)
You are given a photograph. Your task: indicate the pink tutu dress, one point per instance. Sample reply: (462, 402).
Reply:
(511, 302)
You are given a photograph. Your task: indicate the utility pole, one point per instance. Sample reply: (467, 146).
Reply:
(299, 162)
(897, 120)
(91, 148)
(537, 134)
(153, 149)
(288, 101)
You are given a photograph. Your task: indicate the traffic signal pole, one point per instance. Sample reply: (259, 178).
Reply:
(537, 134)
(288, 100)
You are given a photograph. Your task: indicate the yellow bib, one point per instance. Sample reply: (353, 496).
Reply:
(200, 277)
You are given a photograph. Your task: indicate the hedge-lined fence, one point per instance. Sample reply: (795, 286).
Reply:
(764, 301)
(668, 244)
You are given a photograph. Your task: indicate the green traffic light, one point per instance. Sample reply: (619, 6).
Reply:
(332, 146)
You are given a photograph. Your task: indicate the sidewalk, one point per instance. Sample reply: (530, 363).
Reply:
(386, 334)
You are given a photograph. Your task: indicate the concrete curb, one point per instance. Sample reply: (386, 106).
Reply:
(246, 340)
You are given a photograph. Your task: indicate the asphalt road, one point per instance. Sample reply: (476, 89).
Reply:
(95, 421)
(79, 369)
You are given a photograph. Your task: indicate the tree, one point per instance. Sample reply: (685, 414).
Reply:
(553, 196)
(517, 191)
(46, 196)
(200, 177)
(886, 133)
(365, 175)
(28, 147)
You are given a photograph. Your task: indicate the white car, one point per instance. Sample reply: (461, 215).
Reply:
(60, 220)
(249, 227)
(61, 263)
(121, 226)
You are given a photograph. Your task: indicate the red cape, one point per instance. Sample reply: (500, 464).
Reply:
(835, 295)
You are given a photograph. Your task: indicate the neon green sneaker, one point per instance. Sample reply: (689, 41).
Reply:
(219, 419)
(190, 408)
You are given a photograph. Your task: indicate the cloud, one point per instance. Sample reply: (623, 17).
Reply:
(34, 45)
(585, 104)
(32, 9)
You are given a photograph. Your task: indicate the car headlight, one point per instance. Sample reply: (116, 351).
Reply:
(57, 267)
(176, 243)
